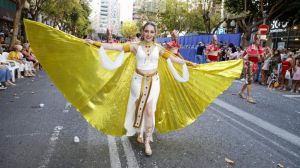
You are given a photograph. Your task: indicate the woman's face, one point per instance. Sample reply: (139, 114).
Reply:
(149, 33)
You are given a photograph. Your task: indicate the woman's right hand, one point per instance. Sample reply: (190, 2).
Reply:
(89, 41)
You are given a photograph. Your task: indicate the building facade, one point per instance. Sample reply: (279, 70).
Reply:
(105, 15)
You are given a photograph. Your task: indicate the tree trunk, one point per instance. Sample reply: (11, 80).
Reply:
(206, 21)
(19, 7)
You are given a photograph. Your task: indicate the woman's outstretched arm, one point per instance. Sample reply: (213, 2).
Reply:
(110, 46)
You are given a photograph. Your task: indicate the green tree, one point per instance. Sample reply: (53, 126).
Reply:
(73, 18)
(185, 16)
(129, 29)
(210, 15)
(36, 7)
(250, 14)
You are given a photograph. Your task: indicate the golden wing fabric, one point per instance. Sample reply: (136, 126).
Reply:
(180, 104)
(100, 95)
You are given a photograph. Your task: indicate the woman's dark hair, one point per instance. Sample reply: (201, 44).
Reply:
(138, 35)
(147, 24)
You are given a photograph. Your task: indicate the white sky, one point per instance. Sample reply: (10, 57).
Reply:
(126, 9)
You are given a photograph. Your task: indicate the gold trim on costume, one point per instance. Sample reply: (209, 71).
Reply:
(166, 54)
(143, 98)
(126, 47)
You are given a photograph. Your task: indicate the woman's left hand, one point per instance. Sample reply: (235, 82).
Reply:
(194, 64)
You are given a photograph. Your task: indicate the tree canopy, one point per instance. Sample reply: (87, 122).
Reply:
(69, 15)
(129, 29)
(250, 14)
(185, 16)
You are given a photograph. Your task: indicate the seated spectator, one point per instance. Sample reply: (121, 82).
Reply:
(17, 56)
(5, 76)
(27, 53)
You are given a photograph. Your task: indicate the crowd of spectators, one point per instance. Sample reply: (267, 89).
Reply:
(15, 62)
(279, 69)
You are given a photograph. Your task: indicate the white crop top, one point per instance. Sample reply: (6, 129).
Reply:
(145, 62)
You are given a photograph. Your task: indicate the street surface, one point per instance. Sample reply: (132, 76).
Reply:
(265, 135)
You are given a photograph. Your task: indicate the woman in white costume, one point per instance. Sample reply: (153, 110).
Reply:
(145, 86)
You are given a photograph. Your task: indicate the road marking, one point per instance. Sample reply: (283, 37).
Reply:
(20, 135)
(257, 133)
(292, 96)
(67, 107)
(131, 159)
(52, 143)
(261, 123)
(113, 152)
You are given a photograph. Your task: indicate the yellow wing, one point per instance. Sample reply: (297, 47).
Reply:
(180, 104)
(100, 95)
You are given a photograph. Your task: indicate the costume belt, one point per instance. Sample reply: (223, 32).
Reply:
(145, 75)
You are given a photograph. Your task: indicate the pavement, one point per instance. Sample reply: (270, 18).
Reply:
(230, 133)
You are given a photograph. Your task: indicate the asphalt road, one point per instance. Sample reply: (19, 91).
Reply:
(264, 135)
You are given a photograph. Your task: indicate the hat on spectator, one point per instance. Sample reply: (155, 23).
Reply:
(18, 47)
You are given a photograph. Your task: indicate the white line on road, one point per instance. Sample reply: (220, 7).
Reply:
(257, 133)
(131, 160)
(291, 96)
(20, 135)
(52, 142)
(261, 123)
(113, 152)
